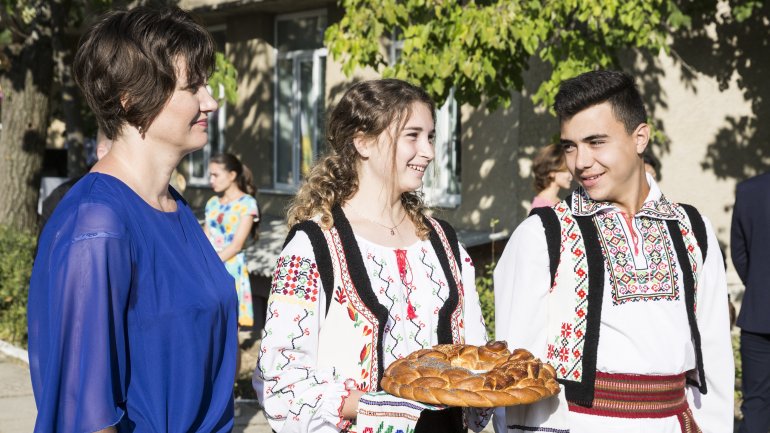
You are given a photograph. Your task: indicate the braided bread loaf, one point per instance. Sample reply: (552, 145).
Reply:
(474, 376)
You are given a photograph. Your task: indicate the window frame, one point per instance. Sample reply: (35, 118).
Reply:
(316, 55)
(221, 113)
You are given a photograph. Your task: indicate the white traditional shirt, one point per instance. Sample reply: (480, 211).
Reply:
(297, 396)
(644, 328)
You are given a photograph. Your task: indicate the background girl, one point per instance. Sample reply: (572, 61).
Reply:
(232, 216)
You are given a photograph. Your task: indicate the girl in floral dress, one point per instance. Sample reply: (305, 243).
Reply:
(231, 217)
(365, 277)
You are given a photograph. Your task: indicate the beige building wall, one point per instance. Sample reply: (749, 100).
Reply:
(692, 118)
(249, 132)
(489, 145)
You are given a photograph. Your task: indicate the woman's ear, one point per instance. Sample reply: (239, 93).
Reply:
(123, 102)
(363, 145)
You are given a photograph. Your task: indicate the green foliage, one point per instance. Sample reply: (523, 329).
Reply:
(743, 10)
(5, 37)
(17, 19)
(482, 48)
(224, 80)
(15, 270)
(487, 298)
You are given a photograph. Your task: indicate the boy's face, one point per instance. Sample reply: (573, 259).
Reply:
(602, 157)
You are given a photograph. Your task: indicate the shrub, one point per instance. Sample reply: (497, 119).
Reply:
(16, 255)
(485, 287)
(487, 298)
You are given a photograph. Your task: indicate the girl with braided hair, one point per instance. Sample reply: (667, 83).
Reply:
(365, 276)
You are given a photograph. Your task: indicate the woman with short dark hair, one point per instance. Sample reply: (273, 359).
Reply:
(132, 315)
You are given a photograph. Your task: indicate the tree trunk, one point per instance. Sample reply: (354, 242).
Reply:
(26, 85)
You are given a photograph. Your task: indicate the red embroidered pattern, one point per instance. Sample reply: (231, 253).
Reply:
(343, 423)
(296, 276)
(458, 336)
(636, 396)
(565, 351)
(356, 306)
(653, 276)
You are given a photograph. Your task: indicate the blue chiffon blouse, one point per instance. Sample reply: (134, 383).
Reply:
(132, 317)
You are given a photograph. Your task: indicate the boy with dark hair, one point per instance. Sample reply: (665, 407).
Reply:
(604, 286)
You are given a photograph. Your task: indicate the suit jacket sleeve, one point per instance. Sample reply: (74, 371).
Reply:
(739, 235)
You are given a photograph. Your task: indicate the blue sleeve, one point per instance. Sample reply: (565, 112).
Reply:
(78, 302)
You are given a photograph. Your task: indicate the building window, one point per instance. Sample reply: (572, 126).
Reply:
(196, 164)
(300, 82)
(442, 184)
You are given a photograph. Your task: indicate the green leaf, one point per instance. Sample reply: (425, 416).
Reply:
(224, 80)
(742, 12)
(5, 37)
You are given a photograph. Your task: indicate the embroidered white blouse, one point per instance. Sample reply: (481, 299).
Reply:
(296, 396)
(644, 328)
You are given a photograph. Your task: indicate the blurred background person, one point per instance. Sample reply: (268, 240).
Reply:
(232, 217)
(551, 176)
(651, 165)
(750, 250)
(103, 145)
(132, 316)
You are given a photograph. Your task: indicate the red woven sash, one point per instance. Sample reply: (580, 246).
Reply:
(637, 396)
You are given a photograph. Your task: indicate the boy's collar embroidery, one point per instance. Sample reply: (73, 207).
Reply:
(659, 208)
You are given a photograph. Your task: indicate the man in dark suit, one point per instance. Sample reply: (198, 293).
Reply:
(103, 145)
(750, 248)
